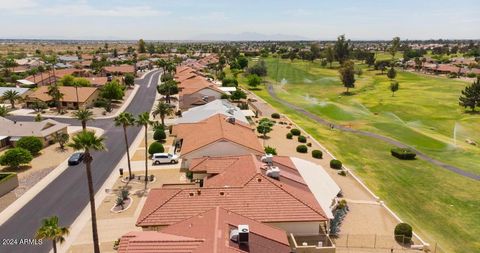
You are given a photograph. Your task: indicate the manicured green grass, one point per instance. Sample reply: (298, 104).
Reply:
(442, 206)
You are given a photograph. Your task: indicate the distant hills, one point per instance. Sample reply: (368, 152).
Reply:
(247, 36)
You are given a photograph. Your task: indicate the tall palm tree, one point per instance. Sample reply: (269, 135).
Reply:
(51, 231)
(144, 120)
(162, 109)
(126, 119)
(87, 141)
(56, 94)
(11, 96)
(83, 115)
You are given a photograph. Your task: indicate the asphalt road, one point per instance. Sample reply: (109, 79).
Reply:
(67, 195)
(389, 140)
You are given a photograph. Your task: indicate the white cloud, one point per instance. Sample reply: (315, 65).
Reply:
(12, 5)
(79, 8)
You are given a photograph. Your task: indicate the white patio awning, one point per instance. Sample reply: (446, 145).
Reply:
(26, 82)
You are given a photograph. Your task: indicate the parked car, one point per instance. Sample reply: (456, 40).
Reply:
(76, 158)
(159, 158)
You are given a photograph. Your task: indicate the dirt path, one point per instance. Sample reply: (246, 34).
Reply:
(394, 142)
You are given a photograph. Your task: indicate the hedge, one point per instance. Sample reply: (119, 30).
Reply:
(275, 115)
(295, 131)
(289, 135)
(30, 143)
(403, 153)
(317, 154)
(302, 149)
(403, 233)
(155, 147)
(302, 139)
(159, 134)
(335, 164)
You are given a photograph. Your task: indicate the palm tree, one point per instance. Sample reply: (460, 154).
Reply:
(11, 96)
(126, 119)
(162, 109)
(51, 231)
(56, 94)
(3, 111)
(144, 120)
(83, 115)
(87, 141)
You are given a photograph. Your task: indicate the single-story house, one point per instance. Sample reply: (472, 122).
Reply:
(120, 69)
(97, 81)
(11, 131)
(218, 106)
(208, 232)
(21, 91)
(85, 96)
(218, 135)
(197, 91)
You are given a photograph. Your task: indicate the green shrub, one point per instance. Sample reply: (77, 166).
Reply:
(289, 135)
(302, 149)
(270, 150)
(317, 154)
(302, 139)
(275, 115)
(15, 157)
(335, 164)
(155, 147)
(309, 144)
(295, 131)
(342, 173)
(342, 204)
(159, 134)
(403, 153)
(403, 233)
(30, 143)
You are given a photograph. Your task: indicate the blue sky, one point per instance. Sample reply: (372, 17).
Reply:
(187, 19)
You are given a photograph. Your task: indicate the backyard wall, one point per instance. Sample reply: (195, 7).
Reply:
(8, 183)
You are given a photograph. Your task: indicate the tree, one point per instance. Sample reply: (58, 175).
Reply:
(3, 111)
(395, 45)
(88, 141)
(391, 73)
(259, 69)
(15, 157)
(57, 95)
(156, 147)
(162, 109)
(30, 143)
(38, 117)
(315, 51)
(370, 59)
(61, 139)
(242, 62)
(141, 46)
(254, 80)
(83, 115)
(129, 80)
(38, 106)
(265, 126)
(168, 89)
(111, 91)
(11, 96)
(329, 55)
(229, 82)
(270, 150)
(159, 134)
(151, 48)
(144, 120)
(347, 75)
(125, 120)
(471, 96)
(67, 80)
(342, 49)
(394, 86)
(237, 95)
(52, 231)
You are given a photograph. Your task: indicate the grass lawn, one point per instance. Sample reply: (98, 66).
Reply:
(442, 206)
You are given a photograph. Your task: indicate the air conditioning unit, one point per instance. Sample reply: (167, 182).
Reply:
(243, 231)
(267, 158)
(230, 120)
(273, 172)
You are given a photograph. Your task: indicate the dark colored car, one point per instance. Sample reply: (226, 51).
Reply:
(76, 158)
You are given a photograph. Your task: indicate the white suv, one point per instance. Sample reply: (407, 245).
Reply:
(159, 158)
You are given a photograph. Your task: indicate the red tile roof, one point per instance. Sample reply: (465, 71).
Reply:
(195, 84)
(120, 69)
(207, 232)
(213, 129)
(261, 198)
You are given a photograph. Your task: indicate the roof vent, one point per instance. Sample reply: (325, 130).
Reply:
(243, 231)
(199, 192)
(234, 235)
(273, 172)
(230, 120)
(267, 158)
(222, 193)
(191, 194)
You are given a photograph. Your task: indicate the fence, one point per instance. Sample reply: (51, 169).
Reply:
(383, 243)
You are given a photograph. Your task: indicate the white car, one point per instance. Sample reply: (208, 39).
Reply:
(159, 158)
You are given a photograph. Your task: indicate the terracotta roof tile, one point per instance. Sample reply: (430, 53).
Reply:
(69, 93)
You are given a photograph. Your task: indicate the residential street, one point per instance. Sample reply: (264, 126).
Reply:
(67, 195)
